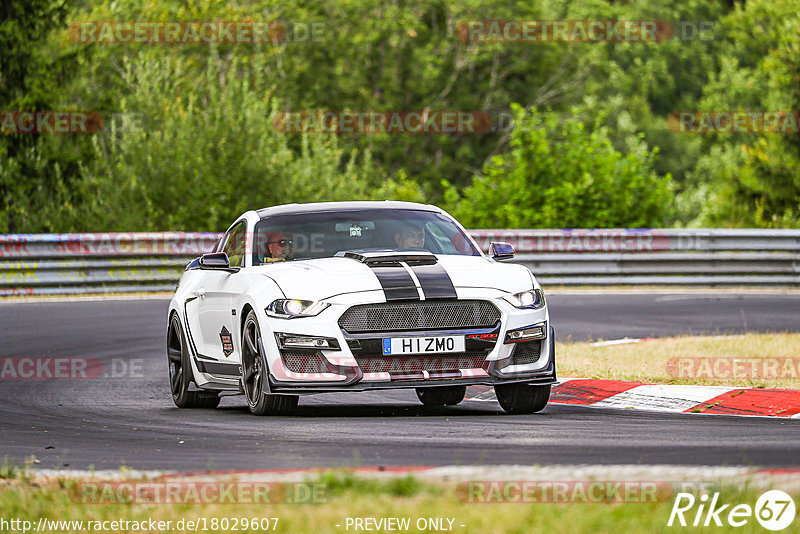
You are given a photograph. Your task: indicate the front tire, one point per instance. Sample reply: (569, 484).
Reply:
(441, 395)
(180, 372)
(255, 373)
(522, 398)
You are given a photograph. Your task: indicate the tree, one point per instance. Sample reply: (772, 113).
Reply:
(32, 170)
(560, 173)
(198, 160)
(753, 177)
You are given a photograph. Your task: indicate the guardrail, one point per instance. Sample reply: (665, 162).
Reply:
(62, 264)
(655, 257)
(40, 264)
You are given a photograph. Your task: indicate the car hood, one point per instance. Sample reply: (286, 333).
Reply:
(325, 277)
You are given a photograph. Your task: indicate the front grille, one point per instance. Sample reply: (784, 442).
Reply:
(425, 315)
(527, 352)
(303, 362)
(415, 364)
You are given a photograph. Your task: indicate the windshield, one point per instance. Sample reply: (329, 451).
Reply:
(323, 234)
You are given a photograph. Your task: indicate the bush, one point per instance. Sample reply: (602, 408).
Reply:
(561, 174)
(198, 161)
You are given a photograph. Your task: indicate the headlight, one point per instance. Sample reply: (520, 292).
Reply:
(532, 299)
(291, 308)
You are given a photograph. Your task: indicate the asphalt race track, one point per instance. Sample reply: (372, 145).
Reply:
(109, 422)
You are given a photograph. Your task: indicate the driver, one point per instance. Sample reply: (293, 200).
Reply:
(280, 246)
(410, 235)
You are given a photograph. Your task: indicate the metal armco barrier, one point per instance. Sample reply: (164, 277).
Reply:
(655, 257)
(64, 264)
(38, 264)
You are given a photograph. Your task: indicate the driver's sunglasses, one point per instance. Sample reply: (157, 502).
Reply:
(282, 242)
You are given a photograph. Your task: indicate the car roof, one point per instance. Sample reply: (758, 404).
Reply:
(345, 206)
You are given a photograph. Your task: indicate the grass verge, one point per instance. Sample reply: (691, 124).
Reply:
(348, 496)
(749, 360)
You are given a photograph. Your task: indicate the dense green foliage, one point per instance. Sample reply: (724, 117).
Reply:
(579, 134)
(36, 175)
(211, 153)
(561, 174)
(756, 178)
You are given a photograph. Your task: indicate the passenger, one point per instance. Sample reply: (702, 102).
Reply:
(410, 236)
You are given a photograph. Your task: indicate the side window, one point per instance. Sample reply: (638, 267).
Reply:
(443, 243)
(235, 245)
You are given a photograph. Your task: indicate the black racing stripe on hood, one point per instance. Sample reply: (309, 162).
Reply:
(435, 282)
(397, 284)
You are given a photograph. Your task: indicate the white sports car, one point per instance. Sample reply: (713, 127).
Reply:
(353, 296)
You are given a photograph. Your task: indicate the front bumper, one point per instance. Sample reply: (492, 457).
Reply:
(357, 366)
(542, 378)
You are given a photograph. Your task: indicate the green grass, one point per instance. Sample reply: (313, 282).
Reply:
(655, 360)
(349, 496)
(338, 483)
(10, 471)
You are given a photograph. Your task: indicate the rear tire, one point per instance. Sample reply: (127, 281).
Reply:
(180, 372)
(441, 395)
(255, 374)
(522, 398)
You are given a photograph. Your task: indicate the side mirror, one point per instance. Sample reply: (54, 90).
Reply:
(216, 261)
(501, 251)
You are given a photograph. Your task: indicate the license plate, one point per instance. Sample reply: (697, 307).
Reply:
(423, 345)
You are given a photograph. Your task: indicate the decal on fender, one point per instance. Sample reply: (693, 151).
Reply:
(227, 341)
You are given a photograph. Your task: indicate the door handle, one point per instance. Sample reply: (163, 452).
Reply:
(200, 292)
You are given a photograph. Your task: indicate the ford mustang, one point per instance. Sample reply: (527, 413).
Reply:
(354, 296)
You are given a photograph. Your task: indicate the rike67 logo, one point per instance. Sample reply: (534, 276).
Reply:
(774, 510)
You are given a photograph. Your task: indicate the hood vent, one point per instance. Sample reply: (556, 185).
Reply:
(389, 256)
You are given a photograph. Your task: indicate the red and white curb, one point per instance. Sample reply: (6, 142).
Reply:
(717, 400)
